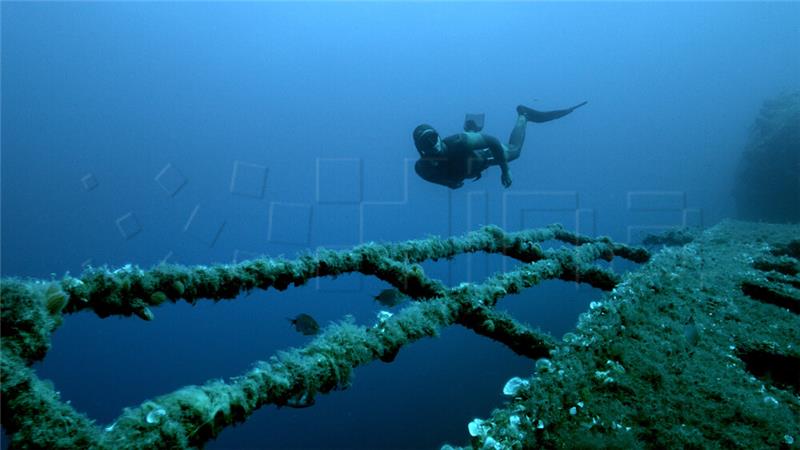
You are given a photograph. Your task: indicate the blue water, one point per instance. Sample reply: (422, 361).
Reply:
(212, 132)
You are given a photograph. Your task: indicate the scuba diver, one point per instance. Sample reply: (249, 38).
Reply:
(451, 160)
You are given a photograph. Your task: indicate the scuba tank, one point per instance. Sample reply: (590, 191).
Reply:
(474, 122)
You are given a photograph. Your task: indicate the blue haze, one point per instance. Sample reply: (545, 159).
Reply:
(291, 127)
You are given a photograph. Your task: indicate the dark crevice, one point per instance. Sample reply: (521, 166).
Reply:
(783, 264)
(780, 278)
(791, 249)
(781, 371)
(780, 295)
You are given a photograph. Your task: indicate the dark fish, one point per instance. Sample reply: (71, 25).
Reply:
(305, 324)
(303, 400)
(692, 333)
(390, 297)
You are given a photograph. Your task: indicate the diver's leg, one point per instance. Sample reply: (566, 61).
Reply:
(545, 116)
(530, 115)
(517, 139)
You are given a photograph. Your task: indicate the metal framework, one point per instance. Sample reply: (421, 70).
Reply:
(582, 386)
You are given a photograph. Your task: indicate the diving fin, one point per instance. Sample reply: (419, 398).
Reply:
(533, 115)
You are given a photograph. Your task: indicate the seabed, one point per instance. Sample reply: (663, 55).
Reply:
(700, 348)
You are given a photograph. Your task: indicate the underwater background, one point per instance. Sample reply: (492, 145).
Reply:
(199, 133)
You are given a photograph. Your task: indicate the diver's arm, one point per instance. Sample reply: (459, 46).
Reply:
(499, 156)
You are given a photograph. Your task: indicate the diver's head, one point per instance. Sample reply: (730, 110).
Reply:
(427, 141)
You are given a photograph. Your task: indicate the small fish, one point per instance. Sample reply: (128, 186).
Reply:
(305, 324)
(303, 400)
(691, 332)
(390, 297)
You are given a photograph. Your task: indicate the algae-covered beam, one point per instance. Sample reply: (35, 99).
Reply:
(33, 414)
(502, 328)
(32, 310)
(191, 416)
(130, 290)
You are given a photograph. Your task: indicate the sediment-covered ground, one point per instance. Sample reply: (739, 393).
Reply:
(700, 348)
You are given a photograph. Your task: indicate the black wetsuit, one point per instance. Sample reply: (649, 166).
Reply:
(460, 160)
(457, 163)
